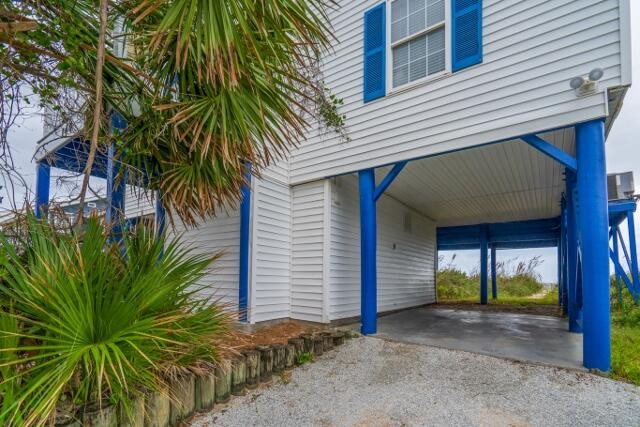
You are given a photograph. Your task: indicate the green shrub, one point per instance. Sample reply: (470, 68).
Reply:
(92, 320)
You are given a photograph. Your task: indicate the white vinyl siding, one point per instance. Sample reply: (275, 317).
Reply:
(308, 251)
(139, 202)
(271, 254)
(216, 235)
(406, 256)
(531, 49)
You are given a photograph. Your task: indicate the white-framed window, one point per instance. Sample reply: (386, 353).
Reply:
(418, 41)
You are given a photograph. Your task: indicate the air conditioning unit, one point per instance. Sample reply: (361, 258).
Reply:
(620, 186)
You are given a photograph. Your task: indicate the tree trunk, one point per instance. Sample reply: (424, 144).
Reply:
(97, 109)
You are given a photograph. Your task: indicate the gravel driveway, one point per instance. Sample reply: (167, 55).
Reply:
(371, 382)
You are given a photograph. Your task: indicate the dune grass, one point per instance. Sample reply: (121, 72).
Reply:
(625, 337)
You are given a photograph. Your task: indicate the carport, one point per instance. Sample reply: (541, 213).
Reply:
(545, 189)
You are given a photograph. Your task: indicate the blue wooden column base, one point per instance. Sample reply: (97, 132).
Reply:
(116, 186)
(43, 184)
(368, 242)
(245, 226)
(494, 274)
(593, 225)
(484, 291)
(573, 310)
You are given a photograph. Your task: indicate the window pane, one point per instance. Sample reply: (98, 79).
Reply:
(401, 55)
(418, 69)
(418, 48)
(436, 62)
(436, 40)
(401, 76)
(435, 44)
(398, 30)
(416, 5)
(435, 12)
(419, 57)
(398, 10)
(417, 22)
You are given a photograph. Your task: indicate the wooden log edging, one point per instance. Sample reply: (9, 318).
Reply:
(290, 356)
(253, 368)
(190, 393)
(279, 358)
(266, 363)
(205, 391)
(223, 381)
(238, 375)
(183, 404)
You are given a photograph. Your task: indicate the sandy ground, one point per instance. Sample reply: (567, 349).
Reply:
(372, 382)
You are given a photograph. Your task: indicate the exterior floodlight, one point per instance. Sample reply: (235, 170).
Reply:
(587, 85)
(596, 74)
(576, 82)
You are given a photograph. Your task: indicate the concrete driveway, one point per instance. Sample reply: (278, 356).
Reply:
(374, 382)
(524, 337)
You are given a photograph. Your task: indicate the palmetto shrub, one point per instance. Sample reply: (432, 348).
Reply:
(86, 320)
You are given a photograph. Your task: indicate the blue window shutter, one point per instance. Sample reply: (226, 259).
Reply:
(374, 52)
(466, 34)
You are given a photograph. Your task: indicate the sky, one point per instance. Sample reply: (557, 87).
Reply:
(623, 154)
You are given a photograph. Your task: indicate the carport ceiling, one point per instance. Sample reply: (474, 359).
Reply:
(508, 181)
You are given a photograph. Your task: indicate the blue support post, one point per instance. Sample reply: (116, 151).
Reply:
(483, 266)
(615, 255)
(116, 186)
(43, 184)
(562, 290)
(593, 222)
(573, 311)
(494, 276)
(633, 254)
(245, 224)
(559, 267)
(368, 296)
(160, 215)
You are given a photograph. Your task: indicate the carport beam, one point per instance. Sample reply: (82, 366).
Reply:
(593, 223)
(368, 279)
(551, 151)
(386, 182)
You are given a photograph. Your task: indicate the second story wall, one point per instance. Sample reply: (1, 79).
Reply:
(529, 52)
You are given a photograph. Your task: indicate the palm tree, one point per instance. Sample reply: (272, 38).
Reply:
(206, 86)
